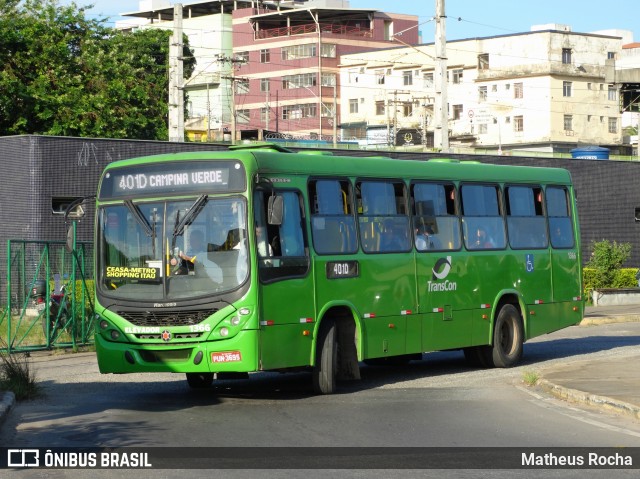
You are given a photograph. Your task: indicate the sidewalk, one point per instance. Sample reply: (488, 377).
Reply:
(611, 384)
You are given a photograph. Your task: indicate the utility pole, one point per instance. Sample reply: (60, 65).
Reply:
(176, 77)
(231, 61)
(441, 114)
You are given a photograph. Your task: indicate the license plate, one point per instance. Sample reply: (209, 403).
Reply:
(226, 357)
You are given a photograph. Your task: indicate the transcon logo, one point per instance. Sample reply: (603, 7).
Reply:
(440, 272)
(441, 268)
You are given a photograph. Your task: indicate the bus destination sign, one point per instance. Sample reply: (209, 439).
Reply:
(176, 178)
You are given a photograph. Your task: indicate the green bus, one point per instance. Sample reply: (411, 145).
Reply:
(218, 264)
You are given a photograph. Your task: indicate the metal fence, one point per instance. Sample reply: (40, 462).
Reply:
(49, 301)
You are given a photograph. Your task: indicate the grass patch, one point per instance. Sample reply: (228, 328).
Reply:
(530, 378)
(16, 375)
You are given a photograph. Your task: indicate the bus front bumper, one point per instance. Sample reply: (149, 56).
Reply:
(236, 354)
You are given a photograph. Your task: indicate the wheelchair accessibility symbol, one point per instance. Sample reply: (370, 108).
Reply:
(529, 263)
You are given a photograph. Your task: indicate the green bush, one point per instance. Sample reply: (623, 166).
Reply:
(606, 260)
(623, 278)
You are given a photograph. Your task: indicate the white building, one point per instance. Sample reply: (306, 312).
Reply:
(543, 90)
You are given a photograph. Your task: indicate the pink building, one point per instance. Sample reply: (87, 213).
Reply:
(287, 84)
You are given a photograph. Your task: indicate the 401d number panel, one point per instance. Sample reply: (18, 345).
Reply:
(342, 269)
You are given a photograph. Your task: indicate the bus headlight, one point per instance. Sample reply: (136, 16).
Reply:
(224, 332)
(235, 321)
(104, 324)
(115, 334)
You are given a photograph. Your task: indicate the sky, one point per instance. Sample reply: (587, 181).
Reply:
(469, 18)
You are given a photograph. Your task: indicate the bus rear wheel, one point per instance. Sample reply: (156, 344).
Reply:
(199, 380)
(324, 371)
(508, 338)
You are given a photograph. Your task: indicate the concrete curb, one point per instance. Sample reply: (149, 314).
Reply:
(8, 399)
(581, 397)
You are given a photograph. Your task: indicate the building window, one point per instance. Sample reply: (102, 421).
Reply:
(264, 114)
(518, 90)
(494, 88)
(613, 125)
(265, 56)
(328, 50)
(518, 123)
(353, 75)
(407, 78)
(353, 105)
(295, 52)
(407, 108)
(611, 55)
(566, 88)
(380, 108)
(242, 57)
(566, 56)
(457, 76)
(457, 112)
(328, 79)
(482, 93)
(242, 116)
(483, 61)
(295, 112)
(242, 87)
(380, 77)
(568, 122)
(589, 86)
(264, 84)
(611, 93)
(427, 80)
(299, 81)
(482, 129)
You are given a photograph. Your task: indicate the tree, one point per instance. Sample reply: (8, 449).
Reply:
(64, 74)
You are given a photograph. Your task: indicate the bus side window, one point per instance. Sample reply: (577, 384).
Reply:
(283, 253)
(332, 223)
(525, 218)
(482, 221)
(559, 214)
(382, 216)
(435, 223)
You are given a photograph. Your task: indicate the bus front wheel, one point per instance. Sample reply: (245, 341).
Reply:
(508, 338)
(324, 371)
(199, 380)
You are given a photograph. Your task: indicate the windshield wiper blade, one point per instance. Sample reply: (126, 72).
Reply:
(190, 215)
(137, 214)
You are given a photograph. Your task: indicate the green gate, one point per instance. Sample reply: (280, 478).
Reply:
(63, 315)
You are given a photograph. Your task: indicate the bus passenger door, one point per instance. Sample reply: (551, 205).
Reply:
(565, 259)
(286, 298)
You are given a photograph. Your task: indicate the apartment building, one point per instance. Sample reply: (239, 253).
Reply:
(543, 90)
(288, 84)
(269, 66)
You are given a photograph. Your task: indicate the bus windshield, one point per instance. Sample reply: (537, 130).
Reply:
(172, 250)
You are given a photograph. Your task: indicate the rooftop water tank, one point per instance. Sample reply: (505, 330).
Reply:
(590, 153)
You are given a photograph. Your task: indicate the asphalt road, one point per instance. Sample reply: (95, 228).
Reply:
(436, 402)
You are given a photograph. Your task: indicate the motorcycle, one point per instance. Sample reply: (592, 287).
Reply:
(59, 308)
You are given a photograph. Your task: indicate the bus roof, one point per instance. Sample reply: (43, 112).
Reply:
(276, 161)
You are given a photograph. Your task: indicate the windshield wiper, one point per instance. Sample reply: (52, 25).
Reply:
(137, 214)
(190, 215)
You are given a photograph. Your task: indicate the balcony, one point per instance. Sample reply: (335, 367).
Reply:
(325, 28)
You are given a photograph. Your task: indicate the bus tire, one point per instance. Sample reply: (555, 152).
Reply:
(199, 380)
(508, 338)
(325, 369)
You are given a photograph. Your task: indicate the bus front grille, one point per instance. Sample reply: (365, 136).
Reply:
(166, 317)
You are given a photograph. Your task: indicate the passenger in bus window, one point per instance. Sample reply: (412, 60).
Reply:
(424, 238)
(199, 257)
(481, 240)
